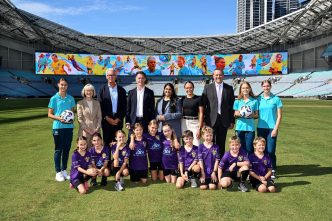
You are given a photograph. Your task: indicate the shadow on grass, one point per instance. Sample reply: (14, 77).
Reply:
(16, 120)
(303, 170)
(280, 186)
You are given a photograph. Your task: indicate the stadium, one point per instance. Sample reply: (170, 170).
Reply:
(303, 37)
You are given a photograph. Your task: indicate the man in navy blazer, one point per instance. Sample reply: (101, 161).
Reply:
(218, 99)
(113, 103)
(140, 104)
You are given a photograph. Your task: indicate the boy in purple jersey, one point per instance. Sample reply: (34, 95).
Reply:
(234, 166)
(188, 161)
(208, 156)
(155, 151)
(261, 168)
(120, 153)
(138, 160)
(170, 155)
(100, 156)
(81, 168)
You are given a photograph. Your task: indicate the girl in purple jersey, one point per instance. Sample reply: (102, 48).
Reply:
(188, 161)
(120, 153)
(261, 168)
(100, 156)
(208, 156)
(138, 161)
(234, 166)
(155, 151)
(81, 167)
(170, 155)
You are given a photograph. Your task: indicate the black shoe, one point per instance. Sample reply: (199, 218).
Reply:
(93, 182)
(242, 187)
(103, 181)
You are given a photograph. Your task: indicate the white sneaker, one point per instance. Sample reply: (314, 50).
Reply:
(59, 177)
(65, 175)
(118, 186)
(193, 183)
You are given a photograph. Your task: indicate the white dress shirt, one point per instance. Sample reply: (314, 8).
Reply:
(219, 88)
(140, 98)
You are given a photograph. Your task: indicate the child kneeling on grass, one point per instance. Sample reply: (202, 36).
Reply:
(120, 152)
(100, 156)
(208, 156)
(81, 167)
(188, 161)
(261, 168)
(234, 166)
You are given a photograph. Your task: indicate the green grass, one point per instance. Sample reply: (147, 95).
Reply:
(28, 190)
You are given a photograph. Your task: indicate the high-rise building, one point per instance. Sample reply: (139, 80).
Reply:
(252, 13)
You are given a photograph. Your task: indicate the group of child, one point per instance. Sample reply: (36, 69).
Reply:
(170, 161)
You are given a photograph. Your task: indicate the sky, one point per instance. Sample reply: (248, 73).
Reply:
(153, 18)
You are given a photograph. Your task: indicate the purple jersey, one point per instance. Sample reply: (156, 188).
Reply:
(187, 158)
(99, 158)
(260, 166)
(154, 147)
(138, 157)
(227, 160)
(170, 156)
(123, 154)
(77, 160)
(208, 156)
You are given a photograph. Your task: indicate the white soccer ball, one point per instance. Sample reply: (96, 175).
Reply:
(245, 111)
(68, 116)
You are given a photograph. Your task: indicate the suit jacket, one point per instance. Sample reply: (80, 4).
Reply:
(148, 106)
(210, 102)
(172, 116)
(86, 117)
(105, 100)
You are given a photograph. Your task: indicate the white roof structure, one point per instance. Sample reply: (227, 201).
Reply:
(313, 20)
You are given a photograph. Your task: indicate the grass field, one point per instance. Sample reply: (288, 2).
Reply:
(28, 190)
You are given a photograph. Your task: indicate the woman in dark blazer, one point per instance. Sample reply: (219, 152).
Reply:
(169, 110)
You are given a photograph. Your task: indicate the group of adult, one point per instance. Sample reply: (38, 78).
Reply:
(113, 109)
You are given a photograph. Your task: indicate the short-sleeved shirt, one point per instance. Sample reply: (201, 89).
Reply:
(245, 124)
(170, 156)
(154, 147)
(187, 158)
(190, 106)
(58, 67)
(260, 166)
(208, 156)
(138, 159)
(268, 109)
(77, 161)
(155, 72)
(124, 153)
(227, 160)
(99, 158)
(195, 70)
(59, 104)
(277, 65)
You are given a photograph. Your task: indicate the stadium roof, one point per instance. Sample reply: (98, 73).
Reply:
(315, 19)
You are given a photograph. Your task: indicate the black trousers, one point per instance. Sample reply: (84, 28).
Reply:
(109, 131)
(220, 133)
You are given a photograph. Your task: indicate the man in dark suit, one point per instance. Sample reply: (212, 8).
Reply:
(140, 106)
(113, 103)
(218, 99)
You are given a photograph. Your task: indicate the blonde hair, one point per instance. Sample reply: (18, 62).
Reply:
(234, 139)
(207, 129)
(88, 87)
(153, 122)
(251, 94)
(259, 139)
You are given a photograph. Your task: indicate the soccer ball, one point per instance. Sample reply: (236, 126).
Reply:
(68, 116)
(245, 111)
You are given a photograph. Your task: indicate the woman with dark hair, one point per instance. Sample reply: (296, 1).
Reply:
(169, 109)
(192, 111)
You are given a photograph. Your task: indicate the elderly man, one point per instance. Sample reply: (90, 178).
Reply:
(113, 103)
